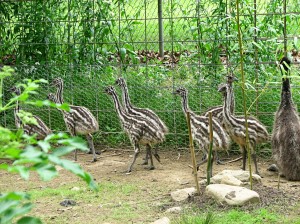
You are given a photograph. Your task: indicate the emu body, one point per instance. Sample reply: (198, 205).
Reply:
(286, 131)
(140, 130)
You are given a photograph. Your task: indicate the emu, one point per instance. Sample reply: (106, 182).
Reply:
(141, 112)
(217, 111)
(40, 129)
(79, 121)
(139, 129)
(286, 130)
(235, 125)
(200, 128)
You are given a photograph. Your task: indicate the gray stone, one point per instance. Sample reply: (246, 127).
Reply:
(164, 220)
(174, 210)
(273, 168)
(241, 175)
(75, 189)
(232, 195)
(231, 180)
(183, 194)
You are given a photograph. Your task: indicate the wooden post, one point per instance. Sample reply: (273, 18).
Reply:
(160, 29)
(209, 162)
(188, 118)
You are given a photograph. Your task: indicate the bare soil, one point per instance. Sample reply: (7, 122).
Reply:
(149, 197)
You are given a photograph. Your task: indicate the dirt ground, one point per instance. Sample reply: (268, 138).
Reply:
(149, 196)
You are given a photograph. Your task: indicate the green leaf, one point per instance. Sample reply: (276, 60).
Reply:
(44, 145)
(46, 172)
(63, 150)
(123, 53)
(29, 220)
(76, 142)
(31, 152)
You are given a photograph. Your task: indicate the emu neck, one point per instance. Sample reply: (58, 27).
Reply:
(59, 94)
(185, 105)
(125, 97)
(286, 95)
(227, 103)
(118, 107)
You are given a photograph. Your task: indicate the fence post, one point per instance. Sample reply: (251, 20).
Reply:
(161, 31)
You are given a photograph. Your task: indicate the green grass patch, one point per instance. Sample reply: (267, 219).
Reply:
(234, 216)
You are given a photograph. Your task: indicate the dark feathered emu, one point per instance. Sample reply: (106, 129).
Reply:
(286, 130)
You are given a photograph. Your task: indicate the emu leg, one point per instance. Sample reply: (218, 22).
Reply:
(157, 157)
(91, 145)
(244, 158)
(150, 155)
(146, 157)
(217, 159)
(136, 153)
(253, 155)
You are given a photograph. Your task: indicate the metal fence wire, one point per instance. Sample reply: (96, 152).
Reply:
(156, 46)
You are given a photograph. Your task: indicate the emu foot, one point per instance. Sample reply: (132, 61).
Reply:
(219, 162)
(150, 168)
(94, 160)
(145, 163)
(97, 152)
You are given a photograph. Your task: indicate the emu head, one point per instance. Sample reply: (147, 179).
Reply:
(231, 78)
(223, 88)
(110, 90)
(181, 92)
(51, 97)
(57, 82)
(15, 90)
(120, 82)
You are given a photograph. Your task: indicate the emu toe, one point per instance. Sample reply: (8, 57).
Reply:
(151, 168)
(97, 152)
(145, 162)
(219, 162)
(157, 157)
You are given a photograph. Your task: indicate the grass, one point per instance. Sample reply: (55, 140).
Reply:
(234, 216)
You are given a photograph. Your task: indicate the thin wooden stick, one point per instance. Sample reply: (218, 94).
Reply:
(188, 118)
(234, 160)
(209, 162)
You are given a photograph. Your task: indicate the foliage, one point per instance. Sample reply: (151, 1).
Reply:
(24, 154)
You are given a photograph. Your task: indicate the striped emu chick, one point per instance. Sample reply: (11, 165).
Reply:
(40, 129)
(140, 130)
(79, 120)
(286, 131)
(200, 128)
(141, 112)
(217, 111)
(235, 125)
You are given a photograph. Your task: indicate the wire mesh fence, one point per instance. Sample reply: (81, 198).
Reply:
(91, 43)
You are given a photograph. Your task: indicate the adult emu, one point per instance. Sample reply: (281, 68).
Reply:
(286, 130)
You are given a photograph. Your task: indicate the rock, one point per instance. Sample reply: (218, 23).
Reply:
(174, 210)
(183, 194)
(231, 180)
(164, 220)
(273, 168)
(67, 203)
(241, 175)
(232, 195)
(75, 189)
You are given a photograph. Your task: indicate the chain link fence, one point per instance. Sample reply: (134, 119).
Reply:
(91, 43)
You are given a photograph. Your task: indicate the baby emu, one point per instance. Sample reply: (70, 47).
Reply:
(40, 129)
(79, 120)
(236, 127)
(141, 112)
(139, 129)
(286, 130)
(200, 129)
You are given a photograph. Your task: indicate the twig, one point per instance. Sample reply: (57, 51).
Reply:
(234, 160)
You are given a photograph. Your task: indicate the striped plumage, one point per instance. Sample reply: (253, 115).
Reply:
(139, 129)
(200, 127)
(235, 125)
(217, 111)
(41, 129)
(140, 112)
(79, 120)
(286, 131)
